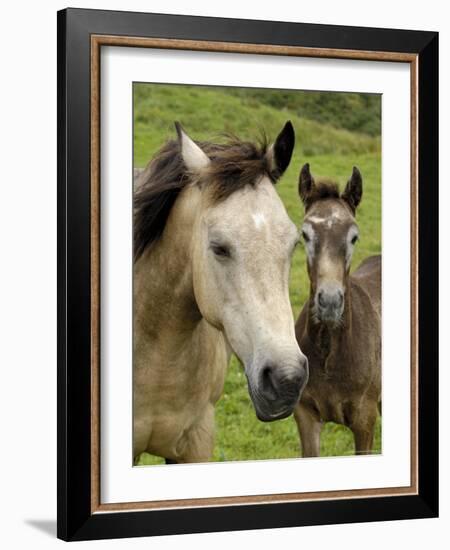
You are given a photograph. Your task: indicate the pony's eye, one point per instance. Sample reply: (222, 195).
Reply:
(220, 250)
(305, 237)
(355, 238)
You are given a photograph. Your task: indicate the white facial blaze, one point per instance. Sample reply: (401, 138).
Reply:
(337, 216)
(259, 219)
(329, 221)
(316, 219)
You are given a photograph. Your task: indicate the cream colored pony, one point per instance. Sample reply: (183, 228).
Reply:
(213, 246)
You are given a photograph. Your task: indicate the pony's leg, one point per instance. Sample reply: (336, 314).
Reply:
(309, 427)
(363, 428)
(199, 442)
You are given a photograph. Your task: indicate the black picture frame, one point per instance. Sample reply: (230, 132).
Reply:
(75, 518)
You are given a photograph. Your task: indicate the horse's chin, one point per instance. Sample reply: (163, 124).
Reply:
(271, 417)
(332, 319)
(267, 411)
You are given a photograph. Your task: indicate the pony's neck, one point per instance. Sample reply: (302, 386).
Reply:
(325, 336)
(163, 290)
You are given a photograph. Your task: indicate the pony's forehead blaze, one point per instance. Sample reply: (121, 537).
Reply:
(235, 166)
(329, 212)
(259, 206)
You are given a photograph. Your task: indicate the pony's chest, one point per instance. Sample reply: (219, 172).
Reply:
(335, 388)
(337, 409)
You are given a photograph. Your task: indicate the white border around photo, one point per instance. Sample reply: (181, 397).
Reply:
(120, 481)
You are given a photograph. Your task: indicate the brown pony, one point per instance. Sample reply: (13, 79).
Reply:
(339, 328)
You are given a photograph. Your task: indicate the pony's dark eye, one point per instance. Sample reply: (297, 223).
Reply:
(305, 237)
(220, 250)
(355, 238)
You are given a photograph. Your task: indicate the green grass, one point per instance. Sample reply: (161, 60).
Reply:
(352, 111)
(206, 113)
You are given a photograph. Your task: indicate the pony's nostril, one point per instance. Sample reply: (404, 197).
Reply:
(330, 299)
(267, 382)
(321, 298)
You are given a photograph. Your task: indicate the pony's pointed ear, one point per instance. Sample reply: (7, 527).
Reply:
(353, 190)
(305, 184)
(280, 152)
(193, 157)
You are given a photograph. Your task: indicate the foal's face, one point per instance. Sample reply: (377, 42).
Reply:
(241, 282)
(329, 233)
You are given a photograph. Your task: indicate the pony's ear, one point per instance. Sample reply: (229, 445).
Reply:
(280, 152)
(194, 158)
(353, 190)
(305, 184)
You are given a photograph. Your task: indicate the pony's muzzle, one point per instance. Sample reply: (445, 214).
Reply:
(279, 389)
(330, 303)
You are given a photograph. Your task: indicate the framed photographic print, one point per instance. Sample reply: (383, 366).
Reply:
(233, 351)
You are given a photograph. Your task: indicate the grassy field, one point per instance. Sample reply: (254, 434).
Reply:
(331, 151)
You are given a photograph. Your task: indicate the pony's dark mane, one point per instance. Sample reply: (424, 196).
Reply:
(234, 165)
(322, 189)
